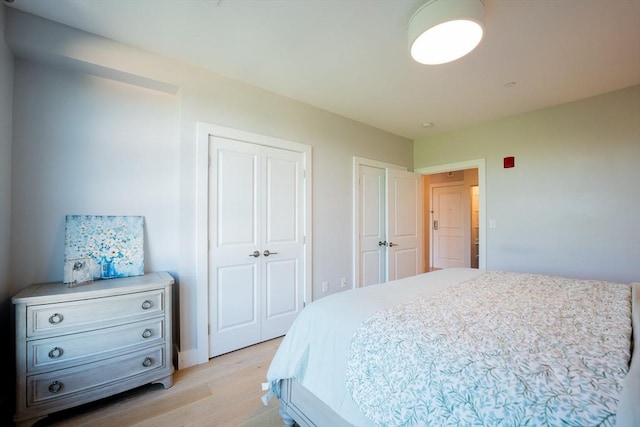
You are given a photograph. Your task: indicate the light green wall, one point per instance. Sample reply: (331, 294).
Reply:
(571, 205)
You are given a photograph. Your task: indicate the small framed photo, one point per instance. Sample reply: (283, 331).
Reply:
(78, 271)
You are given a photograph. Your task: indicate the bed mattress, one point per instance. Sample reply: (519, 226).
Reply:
(331, 348)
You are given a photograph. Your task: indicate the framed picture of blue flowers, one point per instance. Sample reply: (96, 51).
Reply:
(113, 245)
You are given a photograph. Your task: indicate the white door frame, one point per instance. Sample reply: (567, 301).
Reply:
(203, 132)
(357, 162)
(482, 200)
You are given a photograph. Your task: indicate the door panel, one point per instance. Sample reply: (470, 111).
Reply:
(451, 247)
(449, 236)
(372, 226)
(282, 201)
(283, 236)
(237, 191)
(282, 298)
(236, 288)
(404, 223)
(235, 203)
(372, 267)
(405, 262)
(281, 290)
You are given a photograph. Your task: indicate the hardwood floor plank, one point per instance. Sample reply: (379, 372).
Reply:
(224, 392)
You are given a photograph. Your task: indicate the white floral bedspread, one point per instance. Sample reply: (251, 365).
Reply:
(503, 349)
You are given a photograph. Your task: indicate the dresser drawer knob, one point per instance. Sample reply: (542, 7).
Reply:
(147, 362)
(147, 333)
(56, 318)
(146, 305)
(55, 387)
(55, 353)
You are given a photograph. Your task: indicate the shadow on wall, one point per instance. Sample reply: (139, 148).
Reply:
(7, 395)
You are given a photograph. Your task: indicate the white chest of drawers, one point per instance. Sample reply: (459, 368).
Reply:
(76, 345)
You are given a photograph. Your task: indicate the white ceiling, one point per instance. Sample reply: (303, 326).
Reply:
(351, 57)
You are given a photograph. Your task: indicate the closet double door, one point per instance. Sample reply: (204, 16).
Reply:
(256, 243)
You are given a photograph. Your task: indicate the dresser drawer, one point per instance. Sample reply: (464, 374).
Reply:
(67, 350)
(83, 315)
(47, 387)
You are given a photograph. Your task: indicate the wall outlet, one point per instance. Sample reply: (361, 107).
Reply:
(325, 286)
(343, 282)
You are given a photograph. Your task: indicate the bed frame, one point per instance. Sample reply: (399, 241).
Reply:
(298, 406)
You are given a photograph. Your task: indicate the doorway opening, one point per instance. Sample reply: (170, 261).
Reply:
(451, 219)
(470, 175)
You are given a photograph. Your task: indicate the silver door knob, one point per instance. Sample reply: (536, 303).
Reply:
(393, 244)
(255, 254)
(267, 253)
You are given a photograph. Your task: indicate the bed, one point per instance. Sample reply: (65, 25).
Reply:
(464, 347)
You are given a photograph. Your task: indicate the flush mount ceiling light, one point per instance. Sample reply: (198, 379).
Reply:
(442, 31)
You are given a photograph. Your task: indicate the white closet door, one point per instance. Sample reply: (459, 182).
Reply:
(255, 206)
(404, 224)
(283, 238)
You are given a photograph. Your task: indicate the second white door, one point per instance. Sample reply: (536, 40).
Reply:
(389, 224)
(404, 224)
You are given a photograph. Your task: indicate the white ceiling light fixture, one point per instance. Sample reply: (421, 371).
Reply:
(442, 31)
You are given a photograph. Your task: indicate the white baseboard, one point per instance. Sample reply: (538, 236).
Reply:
(187, 359)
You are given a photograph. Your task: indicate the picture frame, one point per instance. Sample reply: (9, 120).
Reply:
(114, 245)
(78, 271)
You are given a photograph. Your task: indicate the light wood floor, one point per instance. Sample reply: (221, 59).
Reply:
(226, 391)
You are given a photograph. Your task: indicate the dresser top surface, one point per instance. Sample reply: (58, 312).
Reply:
(54, 291)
